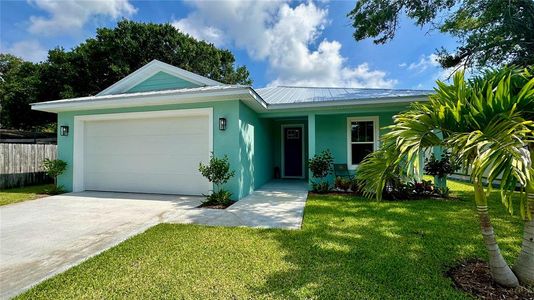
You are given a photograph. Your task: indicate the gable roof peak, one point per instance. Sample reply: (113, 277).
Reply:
(150, 69)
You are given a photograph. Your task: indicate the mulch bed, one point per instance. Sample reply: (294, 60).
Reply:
(215, 206)
(473, 276)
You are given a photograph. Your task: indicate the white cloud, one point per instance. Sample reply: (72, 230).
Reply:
(429, 65)
(286, 37)
(425, 62)
(30, 50)
(71, 16)
(203, 32)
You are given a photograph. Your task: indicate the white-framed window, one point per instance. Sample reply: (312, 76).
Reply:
(362, 138)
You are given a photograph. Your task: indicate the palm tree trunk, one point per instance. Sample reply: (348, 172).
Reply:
(500, 271)
(524, 265)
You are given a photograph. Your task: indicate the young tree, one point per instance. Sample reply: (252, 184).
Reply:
(54, 168)
(321, 166)
(489, 32)
(487, 124)
(218, 172)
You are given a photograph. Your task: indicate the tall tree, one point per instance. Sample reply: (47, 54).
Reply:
(103, 60)
(489, 32)
(19, 86)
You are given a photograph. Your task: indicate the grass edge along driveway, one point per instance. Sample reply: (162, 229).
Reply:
(15, 195)
(349, 248)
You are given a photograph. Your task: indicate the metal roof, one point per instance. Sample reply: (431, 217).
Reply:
(270, 98)
(213, 88)
(294, 94)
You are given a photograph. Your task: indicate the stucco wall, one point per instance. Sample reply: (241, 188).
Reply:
(161, 81)
(256, 157)
(224, 142)
(331, 132)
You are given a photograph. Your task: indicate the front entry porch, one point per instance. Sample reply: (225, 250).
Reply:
(276, 204)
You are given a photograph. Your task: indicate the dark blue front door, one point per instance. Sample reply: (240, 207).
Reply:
(292, 152)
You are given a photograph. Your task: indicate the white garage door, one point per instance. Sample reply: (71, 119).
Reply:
(151, 155)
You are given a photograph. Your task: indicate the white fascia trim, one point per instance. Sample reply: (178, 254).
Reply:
(322, 104)
(376, 136)
(78, 180)
(151, 69)
(141, 100)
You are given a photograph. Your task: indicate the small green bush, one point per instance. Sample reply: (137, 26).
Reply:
(54, 168)
(321, 166)
(343, 183)
(221, 197)
(440, 167)
(322, 187)
(218, 172)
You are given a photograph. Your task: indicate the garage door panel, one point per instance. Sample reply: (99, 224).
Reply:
(138, 127)
(175, 145)
(147, 155)
(145, 163)
(152, 183)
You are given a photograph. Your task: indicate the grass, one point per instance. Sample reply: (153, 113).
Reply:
(11, 196)
(349, 248)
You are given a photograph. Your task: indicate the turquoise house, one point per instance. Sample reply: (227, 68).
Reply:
(148, 132)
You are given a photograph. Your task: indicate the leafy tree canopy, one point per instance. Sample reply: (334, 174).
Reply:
(489, 32)
(101, 61)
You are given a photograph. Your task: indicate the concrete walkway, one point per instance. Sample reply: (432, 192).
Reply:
(277, 204)
(44, 237)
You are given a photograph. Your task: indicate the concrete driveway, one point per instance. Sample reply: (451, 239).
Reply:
(43, 237)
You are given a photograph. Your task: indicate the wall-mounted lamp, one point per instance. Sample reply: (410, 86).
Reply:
(222, 123)
(64, 130)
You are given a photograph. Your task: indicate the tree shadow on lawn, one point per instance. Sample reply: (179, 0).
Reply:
(350, 247)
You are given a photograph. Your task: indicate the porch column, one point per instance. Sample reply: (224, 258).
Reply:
(311, 141)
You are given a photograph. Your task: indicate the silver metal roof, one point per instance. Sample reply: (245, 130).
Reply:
(294, 94)
(203, 89)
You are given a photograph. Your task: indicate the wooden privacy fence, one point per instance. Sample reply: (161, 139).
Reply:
(21, 164)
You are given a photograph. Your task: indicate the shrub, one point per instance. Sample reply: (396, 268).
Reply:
(218, 172)
(54, 168)
(322, 187)
(343, 183)
(396, 189)
(440, 167)
(356, 186)
(442, 192)
(222, 197)
(321, 166)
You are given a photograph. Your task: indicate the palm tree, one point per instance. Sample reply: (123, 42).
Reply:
(486, 123)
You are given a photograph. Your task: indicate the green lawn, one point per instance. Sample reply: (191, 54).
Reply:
(349, 248)
(10, 196)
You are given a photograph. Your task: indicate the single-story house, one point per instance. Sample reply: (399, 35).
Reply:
(148, 132)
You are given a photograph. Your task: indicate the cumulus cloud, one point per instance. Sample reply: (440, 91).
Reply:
(425, 62)
(71, 16)
(202, 32)
(284, 36)
(30, 50)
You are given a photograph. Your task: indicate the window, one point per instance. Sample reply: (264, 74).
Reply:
(362, 137)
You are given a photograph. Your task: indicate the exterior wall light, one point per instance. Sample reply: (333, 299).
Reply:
(64, 130)
(222, 123)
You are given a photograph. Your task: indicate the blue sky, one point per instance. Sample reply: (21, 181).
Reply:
(280, 42)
